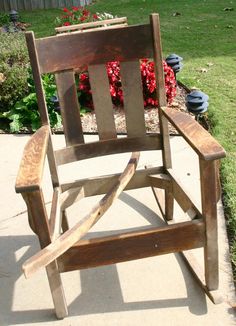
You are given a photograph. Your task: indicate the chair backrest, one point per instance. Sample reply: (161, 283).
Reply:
(99, 25)
(62, 54)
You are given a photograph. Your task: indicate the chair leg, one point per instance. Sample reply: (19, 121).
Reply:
(65, 224)
(209, 212)
(57, 291)
(39, 220)
(169, 205)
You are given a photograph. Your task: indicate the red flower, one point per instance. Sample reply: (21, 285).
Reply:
(95, 16)
(83, 18)
(85, 12)
(67, 24)
(75, 8)
(65, 10)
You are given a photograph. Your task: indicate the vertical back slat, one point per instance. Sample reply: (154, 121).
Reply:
(30, 40)
(102, 101)
(133, 98)
(70, 109)
(161, 94)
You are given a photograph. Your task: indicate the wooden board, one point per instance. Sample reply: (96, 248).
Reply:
(133, 98)
(102, 101)
(197, 137)
(96, 47)
(133, 245)
(107, 147)
(70, 109)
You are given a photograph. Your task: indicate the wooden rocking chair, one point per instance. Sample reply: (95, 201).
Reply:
(62, 247)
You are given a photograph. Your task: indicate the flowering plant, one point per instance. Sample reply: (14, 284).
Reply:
(148, 82)
(75, 15)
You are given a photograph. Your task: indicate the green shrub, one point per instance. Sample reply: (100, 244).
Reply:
(4, 18)
(14, 63)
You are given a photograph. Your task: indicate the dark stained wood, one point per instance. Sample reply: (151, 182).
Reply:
(107, 147)
(30, 41)
(94, 47)
(209, 214)
(102, 101)
(133, 98)
(52, 163)
(101, 185)
(70, 109)
(197, 137)
(31, 168)
(156, 35)
(161, 96)
(70, 237)
(36, 205)
(133, 245)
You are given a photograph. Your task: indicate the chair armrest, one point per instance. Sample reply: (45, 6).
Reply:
(198, 138)
(32, 163)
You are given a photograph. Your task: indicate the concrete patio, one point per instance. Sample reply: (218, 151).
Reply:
(153, 291)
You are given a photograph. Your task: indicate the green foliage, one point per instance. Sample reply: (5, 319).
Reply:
(13, 69)
(25, 112)
(4, 18)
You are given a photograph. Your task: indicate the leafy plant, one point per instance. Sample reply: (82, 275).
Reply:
(25, 112)
(4, 18)
(14, 63)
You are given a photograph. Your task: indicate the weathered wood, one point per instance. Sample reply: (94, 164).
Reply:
(70, 237)
(133, 98)
(31, 167)
(36, 205)
(107, 147)
(101, 185)
(133, 245)
(171, 183)
(97, 47)
(197, 137)
(105, 23)
(102, 101)
(52, 163)
(55, 215)
(71, 196)
(209, 213)
(161, 96)
(70, 109)
(34, 60)
(182, 195)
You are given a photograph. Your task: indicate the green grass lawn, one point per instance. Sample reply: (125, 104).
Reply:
(204, 34)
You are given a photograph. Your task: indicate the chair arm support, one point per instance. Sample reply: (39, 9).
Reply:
(198, 138)
(32, 163)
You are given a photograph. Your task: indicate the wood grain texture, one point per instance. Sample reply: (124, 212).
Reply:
(31, 167)
(107, 147)
(70, 109)
(102, 101)
(209, 213)
(101, 185)
(197, 137)
(70, 237)
(133, 98)
(133, 245)
(105, 23)
(36, 206)
(33, 55)
(96, 47)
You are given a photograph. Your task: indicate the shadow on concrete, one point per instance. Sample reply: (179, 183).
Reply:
(101, 290)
